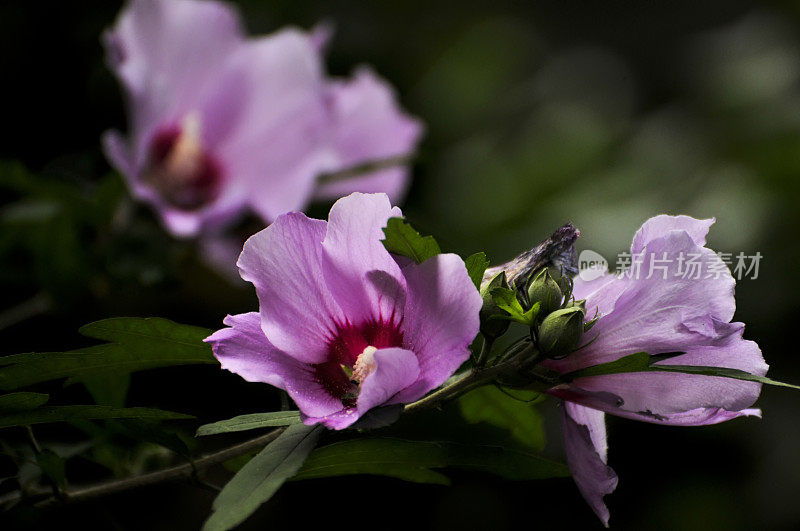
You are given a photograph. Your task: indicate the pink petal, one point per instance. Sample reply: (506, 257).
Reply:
(650, 313)
(440, 320)
(361, 274)
(164, 51)
(586, 448)
(396, 369)
(243, 349)
(284, 263)
(275, 141)
(369, 125)
(660, 226)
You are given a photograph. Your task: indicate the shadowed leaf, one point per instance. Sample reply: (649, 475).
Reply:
(413, 460)
(53, 466)
(134, 344)
(70, 413)
(250, 422)
(21, 401)
(517, 415)
(262, 476)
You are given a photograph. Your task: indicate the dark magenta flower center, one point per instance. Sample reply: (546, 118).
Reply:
(340, 374)
(184, 173)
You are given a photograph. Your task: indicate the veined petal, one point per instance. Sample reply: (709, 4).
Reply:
(440, 320)
(243, 349)
(669, 308)
(586, 448)
(650, 314)
(284, 263)
(660, 226)
(361, 274)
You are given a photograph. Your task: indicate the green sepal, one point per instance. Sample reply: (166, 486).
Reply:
(506, 299)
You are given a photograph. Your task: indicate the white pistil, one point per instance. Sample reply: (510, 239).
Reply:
(185, 158)
(365, 364)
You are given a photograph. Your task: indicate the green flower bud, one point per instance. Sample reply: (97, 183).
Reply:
(546, 291)
(580, 304)
(493, 328)
(560, 332)
(564, 282)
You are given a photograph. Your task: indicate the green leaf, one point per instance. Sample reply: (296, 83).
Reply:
(413, 460)
(250, 422)
(507, 300)
(235, 464)
(722, 372)
(53, 466)
(262, 476)
(107, 389)
(149, 431)
(21, 401)
(515, 414)
(638, 362)
(507, 463)
(71, 413)
(397, 458)
(476, 267)
(134, 344)
(644, 362)
(402, 239)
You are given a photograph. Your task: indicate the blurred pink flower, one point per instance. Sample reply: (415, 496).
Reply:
(221, 124)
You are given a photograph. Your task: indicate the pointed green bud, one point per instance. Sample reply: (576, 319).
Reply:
(580, 304)
(493, 328)
(546, 291)
(560, 332)
(564, 282)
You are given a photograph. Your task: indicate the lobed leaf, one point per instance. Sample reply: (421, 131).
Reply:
(402, 239)
(134, 344)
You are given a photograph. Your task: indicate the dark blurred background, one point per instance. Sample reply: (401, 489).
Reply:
(602, 113)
